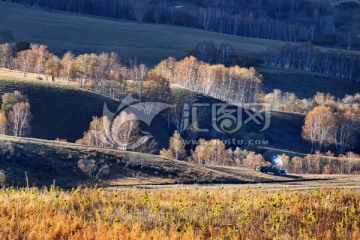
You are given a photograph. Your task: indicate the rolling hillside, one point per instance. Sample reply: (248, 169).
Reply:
(305, 84)
(58, 111)
(151, 43)
(45, 161)
(65, 112)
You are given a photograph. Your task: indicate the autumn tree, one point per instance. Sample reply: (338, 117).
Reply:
(125, 131)
(238, 155)
(286, 101)
(322, 99)
(177, 146)
(6, 55)
(23, 62)
(15, 114)
(167, 153)
(252, 159)
(19, 119)
(346, 127)
(96, 135)
(3, 122)
(85, 68)
(156, 88)
(319, 127)
(67, 67)
(234, 84)
(32, 60)
(40, 55)
(137, 73)
(210, 152)
(102, 68)
(10, 99)
(121, 133)
(166, 68)
(116, 85)
(52, 66)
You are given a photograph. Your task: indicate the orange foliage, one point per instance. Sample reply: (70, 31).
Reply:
(218, 213)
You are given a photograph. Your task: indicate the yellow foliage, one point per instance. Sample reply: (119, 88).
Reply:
(218, 213)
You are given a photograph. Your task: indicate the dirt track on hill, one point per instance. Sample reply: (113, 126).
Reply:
(303, 183)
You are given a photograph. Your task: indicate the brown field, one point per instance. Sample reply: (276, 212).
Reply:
(150, 197)
(193, 213)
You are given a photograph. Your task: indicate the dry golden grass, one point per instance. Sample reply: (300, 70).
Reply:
(17, 76)
(178, 214)
(6, 74)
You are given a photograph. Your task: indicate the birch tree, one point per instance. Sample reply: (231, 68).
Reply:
(319, 127)
(19, 119)
(347, 125)
(23, 61)
(6, 55)
(177, 145)
(67, 65)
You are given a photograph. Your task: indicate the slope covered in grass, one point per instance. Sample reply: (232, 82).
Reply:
(305, 84)
(149, 42)
(65, 112)
(58, 111)
(45, 161)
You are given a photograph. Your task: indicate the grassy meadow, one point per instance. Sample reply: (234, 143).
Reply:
(196, 213)
(45, 161)
(305, 84)
(149, 42)
(59, 111)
